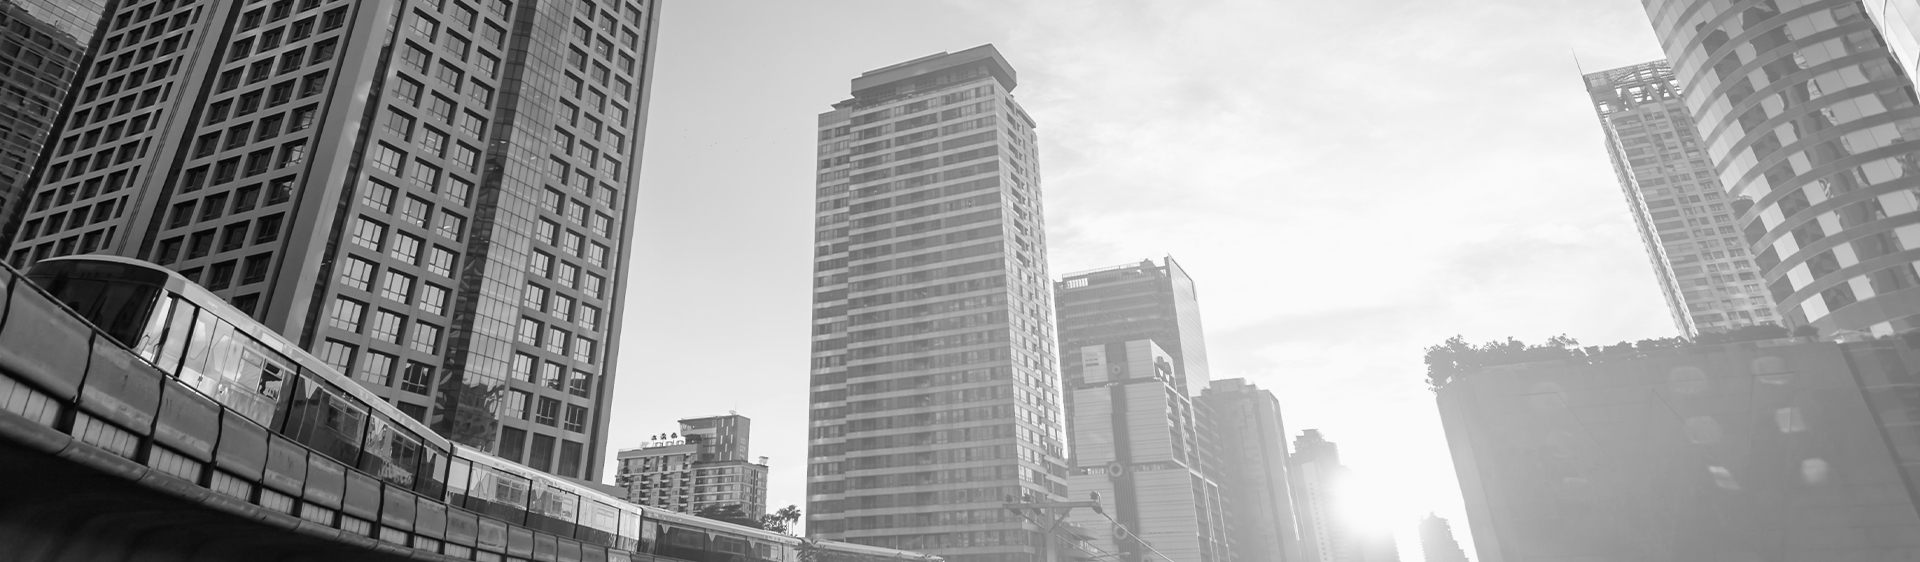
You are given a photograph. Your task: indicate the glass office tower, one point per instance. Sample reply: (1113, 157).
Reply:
(42, 45)
(935, 392)
(431, 196)
(1684, 217)
(1814, 131)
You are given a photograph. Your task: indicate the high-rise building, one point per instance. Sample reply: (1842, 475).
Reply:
(935, 393)
(703, 465)
(1437, 542)
(42, 47)
(1132, 302)
(1769, 450)
(1260, 498)
(1685, 219)
(1321, 486)
(1136, 445)
(432, 197)
(1899, 23)
(1810, 126)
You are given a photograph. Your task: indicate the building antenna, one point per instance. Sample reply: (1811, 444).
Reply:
(1576, 61)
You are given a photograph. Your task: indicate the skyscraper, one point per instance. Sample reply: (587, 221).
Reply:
(1773, 450)
(1252, 440)
(1137, 445)
(42, 46)
(1684, 217)
(1437, 542)
(1321, 484)
(935, 394)
(1812, 129)
(432, 197)
(1899, 23)
(1136, 301)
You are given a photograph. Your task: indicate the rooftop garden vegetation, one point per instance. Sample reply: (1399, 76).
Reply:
(1456, 357)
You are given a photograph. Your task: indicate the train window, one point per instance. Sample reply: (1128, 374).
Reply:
(391, 453)
(257, 380)
(175, 345)
(193, 367)
(560, 505)
(119, 308)
(629, 531)
(325, 420)
(457, 474)
(148, 346)
(431, 480)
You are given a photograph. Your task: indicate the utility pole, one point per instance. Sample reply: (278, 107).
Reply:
(1053, 514)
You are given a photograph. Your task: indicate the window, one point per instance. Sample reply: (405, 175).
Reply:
(557, 340)
(597, 255)
(425, 177)
(302, 118)
(472, 123)
(347, 314)
(424, 25)
(399, 124)
(523, 367)
(270, 127)
(466, 156)
(219, 277)
(426, 338)
(572, 242)
(386, 159)
(455, 44)
(562, 307)
(433, 299)
(517, 404)
(267, 230)
(440, 261)
(530, 331)
(255, 269)
(581, 384)
(356, 273)
(368, 234)
(434, 141)
(449, 75)
(493, 34)
(592, 285)
(407, 90)
(549, 412)
(337, 355)
(552, 375)
(546, 231)
(541, 264)
(535, 296)
(292, 154)
(237, 135)
(376, 370)
(416, 378)
(442, 108)
(576, 419)
(406, 248)
(452, 226)
(397, 287)
(386, 326)
(378, 196)
(577, 212)
(601, 224)
(583, 349)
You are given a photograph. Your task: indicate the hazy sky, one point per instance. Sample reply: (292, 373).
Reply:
(1348, 182)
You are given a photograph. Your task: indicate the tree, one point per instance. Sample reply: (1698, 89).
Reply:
(732, 513)
(781, 520)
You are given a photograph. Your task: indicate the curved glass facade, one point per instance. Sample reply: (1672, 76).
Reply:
(1815, 133)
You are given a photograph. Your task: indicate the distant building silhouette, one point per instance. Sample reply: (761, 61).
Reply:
(1319, 482)
(1437, 543)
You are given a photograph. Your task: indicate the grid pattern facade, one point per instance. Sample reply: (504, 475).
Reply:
(430, 195)
(1684, 217)
(1136, 301)
(673, 478)
(1813, 129)
(42, 45)
(935, 393)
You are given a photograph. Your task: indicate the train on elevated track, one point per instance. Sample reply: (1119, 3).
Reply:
(142, 366)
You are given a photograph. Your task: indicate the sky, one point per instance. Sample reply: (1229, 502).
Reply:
(1348, 182)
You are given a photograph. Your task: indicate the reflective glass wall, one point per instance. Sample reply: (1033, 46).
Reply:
(1813, 131)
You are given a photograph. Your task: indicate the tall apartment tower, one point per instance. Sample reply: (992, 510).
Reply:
(1136, 301)
(1137, 445)
(1810, 127)
(1437, 542)
(431, 196)
(1254, 471)
(935, 393)
(703, 465)
(42, 47)
(1685, 219)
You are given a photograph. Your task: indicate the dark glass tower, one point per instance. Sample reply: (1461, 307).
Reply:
(434, 197)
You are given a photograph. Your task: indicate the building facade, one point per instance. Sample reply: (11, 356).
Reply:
(1136, 301)
(1137, 445)
(1320, 483)
(935, 393)
(1898, 21)
(1812, 129)
(1260, 498)
(432, 197)
(704, 465)
(1685, 218)
(43, 44)
(1770, 450)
